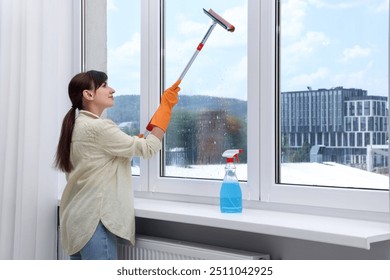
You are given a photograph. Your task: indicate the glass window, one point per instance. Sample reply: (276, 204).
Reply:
(359, 108)
(363, 124)
(327, 47)
(367, 140)
(366, 108)
(123, 66)
(304, 35)
(211, 115)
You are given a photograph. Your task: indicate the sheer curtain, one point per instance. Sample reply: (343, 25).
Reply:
(38, 42)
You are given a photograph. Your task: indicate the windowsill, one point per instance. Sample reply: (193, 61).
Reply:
(333, 230)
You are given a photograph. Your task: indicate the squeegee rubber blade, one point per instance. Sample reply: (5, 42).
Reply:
(220, 20)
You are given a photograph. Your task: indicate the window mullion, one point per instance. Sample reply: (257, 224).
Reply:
(150, 78)
(267, 83)
(254, 154)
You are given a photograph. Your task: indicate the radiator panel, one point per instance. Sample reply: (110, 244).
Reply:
(153, 248)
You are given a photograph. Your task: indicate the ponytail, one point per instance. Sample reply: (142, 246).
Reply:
(62, 160)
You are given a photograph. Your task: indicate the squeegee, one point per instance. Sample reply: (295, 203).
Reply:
(217, 19)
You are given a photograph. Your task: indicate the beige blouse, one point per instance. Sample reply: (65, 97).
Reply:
(99, 186)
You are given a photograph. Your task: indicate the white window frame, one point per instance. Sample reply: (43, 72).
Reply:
(167, 185)
(261, 188)
(336, 198)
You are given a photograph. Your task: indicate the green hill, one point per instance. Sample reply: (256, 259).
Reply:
(127, 106)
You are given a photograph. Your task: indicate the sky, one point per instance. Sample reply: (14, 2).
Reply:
(330, 43)
(124, 45)
(324, 44)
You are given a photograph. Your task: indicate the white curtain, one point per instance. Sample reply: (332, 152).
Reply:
(37, 51)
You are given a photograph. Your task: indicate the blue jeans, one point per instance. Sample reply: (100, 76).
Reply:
(102, 246)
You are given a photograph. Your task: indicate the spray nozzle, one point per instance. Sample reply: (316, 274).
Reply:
(232, 154)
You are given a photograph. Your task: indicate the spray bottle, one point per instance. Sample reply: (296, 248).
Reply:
(231, 195)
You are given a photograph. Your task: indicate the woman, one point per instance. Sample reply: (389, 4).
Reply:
(97, 203)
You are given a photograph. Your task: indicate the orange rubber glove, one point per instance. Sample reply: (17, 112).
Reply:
(162, 116)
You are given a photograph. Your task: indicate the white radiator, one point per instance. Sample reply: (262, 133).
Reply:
(153, 248)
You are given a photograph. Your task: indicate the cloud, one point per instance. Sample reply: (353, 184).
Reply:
(124, 66)
(382, 7)
(338, 5)
(231, 82)
(239, 72)
(378, 6)
(307, 44)
(355, 79)
(354, 53)
(307, 79)
(293, 13)
(296, 54)
(299, 44)
(310, 50)
(111, 6)
(186, 27)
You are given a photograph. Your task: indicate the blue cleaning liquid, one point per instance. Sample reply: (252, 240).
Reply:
(231, 197)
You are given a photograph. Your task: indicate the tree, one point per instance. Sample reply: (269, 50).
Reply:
(182, 133)
(236, 136)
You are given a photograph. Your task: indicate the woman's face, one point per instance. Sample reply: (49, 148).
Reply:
(104, 96)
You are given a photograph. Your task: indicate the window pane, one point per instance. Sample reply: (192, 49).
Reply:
(211, 115)
(333, 80)
(123, 61)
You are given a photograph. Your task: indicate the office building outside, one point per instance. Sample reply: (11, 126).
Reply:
(342, 121)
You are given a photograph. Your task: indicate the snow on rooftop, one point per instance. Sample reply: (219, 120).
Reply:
(306, 173)
(332, 174)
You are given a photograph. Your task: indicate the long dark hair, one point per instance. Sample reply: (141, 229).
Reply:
(90, 80)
